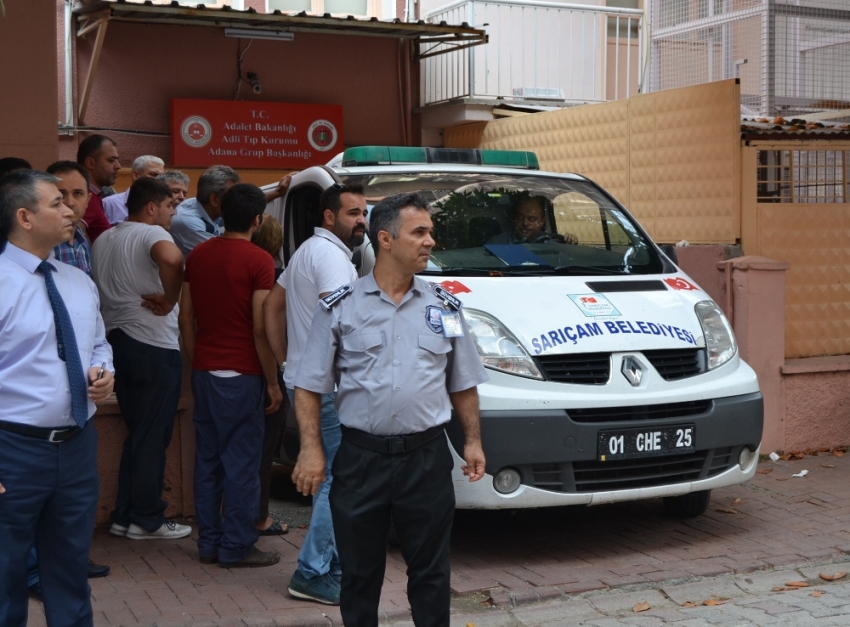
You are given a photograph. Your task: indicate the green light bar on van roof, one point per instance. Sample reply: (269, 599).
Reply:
(402, 155)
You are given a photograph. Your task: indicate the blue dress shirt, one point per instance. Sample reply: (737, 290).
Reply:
(33, 380)
(192, 225)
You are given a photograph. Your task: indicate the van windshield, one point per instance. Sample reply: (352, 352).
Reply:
(521, 225)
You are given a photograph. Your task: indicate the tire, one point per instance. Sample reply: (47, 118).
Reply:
(688, 505)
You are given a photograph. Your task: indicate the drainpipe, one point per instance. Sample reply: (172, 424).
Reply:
(69, 70)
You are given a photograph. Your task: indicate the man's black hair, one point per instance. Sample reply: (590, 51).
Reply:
(92, 145)
(386, 215)
(63, 167)
(10, 164)
(19, 189)
(241, 205)
(331, 196)
(144, 191)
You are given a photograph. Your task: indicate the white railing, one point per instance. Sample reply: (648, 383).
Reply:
(538, 51)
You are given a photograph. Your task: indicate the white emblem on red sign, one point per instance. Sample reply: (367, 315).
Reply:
(322, 135)
(196, 131)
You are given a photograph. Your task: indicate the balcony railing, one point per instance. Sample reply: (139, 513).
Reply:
(539, 51)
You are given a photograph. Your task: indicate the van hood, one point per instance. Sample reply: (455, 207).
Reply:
(554, 315)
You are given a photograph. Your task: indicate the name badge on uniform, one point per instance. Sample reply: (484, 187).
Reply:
(452, 326)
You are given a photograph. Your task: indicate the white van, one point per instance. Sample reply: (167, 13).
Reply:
(613, 376)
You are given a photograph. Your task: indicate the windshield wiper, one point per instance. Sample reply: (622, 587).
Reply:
(460, 271)
(579, 270)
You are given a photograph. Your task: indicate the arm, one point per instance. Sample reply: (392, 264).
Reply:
(169, 259)
(309, 470)
(186, 322)
(465, 404)
(264, 352)
(274, 313)
(280, 190)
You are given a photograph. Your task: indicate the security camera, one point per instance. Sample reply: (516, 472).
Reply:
(256, 85)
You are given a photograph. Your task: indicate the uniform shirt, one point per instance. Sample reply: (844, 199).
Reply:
(76, 253)
(223, 275)
(321, 264)
(123, 271)
(95, 219)
(33, 380)
(192, 225)
(115, 207)
(393, 371)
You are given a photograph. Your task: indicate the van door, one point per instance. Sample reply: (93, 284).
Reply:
(298, 211)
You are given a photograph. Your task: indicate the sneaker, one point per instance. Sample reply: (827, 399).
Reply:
(118, 530)
(169, 530)
(256, 559)
(323, 589)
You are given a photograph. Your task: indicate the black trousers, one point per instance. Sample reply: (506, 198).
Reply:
(415, 489)
(147, 385)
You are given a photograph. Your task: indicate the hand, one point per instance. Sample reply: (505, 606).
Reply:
(158, 304)
(280, 190)
(473, 454)
(275, 397)
(309, 472)
(569, 238)
(2, 489)
(100, 389)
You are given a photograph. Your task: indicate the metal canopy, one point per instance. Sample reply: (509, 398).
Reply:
(425, 39)
(225, 17)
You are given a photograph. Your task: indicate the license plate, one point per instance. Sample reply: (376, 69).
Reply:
(646, 442)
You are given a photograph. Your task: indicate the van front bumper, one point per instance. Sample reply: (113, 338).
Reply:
(558, 461)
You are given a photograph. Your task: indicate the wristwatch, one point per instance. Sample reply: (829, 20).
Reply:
(282, 366)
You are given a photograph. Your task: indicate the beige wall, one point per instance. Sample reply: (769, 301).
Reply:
(672, 157)
(28, 75)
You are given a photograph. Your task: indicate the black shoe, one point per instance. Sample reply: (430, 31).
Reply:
(208, 559)
(97, 570)
(256, 559)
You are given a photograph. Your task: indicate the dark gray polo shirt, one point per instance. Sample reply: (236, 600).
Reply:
(393, 371)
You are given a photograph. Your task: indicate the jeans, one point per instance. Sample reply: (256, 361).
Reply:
(229, 424)
(318, 555)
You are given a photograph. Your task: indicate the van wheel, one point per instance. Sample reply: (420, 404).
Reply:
(687, 505)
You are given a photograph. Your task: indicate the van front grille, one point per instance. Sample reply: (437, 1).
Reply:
(636, 413)
(581, 369)
(677, 364)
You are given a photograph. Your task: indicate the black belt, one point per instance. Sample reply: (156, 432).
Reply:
(42, 433)
(391, 444)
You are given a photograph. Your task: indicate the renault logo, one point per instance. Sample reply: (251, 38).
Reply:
(632, 369)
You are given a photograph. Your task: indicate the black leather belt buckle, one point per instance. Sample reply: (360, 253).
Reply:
(396, 444)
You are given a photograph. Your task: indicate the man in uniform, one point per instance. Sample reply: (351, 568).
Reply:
(399, 350)
(318, 267)
(530, 226)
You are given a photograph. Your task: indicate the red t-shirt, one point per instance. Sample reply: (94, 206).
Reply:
(223, 275)
(95, 219)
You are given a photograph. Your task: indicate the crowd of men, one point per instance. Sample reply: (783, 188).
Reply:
(106, 287)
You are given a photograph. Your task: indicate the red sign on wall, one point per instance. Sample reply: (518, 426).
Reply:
(268, 135)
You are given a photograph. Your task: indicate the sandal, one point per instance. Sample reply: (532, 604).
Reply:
(275, 529)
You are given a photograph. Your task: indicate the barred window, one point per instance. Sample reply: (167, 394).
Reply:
(802, 176)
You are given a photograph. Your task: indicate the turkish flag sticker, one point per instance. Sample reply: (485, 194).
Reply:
(679, 283)
(455, 287)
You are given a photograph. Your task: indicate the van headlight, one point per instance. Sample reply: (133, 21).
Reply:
(497, 346)
(720, 342)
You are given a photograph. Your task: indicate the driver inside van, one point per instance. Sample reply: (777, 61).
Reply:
(529, 218)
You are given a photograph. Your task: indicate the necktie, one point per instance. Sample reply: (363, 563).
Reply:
(68, 351)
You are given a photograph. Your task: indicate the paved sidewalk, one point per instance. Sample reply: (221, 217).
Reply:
(508, 559)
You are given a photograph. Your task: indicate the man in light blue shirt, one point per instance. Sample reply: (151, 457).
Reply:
(198, 219)
(55, 364)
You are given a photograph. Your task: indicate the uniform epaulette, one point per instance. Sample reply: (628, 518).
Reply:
(334, 297)
(447, 297)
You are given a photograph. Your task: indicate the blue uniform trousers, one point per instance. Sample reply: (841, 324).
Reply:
(229, 424)
(50, 500)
